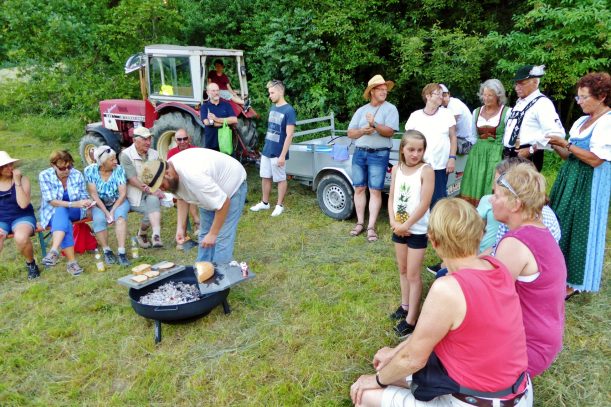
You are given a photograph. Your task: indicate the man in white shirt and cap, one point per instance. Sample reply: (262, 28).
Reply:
(464, 120)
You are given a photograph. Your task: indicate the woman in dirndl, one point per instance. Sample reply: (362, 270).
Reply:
(489, 125)
(580, 195)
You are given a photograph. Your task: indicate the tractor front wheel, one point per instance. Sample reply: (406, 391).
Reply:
(88, 143)
(166, 126)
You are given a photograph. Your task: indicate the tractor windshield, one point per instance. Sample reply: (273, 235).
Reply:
(170, 76)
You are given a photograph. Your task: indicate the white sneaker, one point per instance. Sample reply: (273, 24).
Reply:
(260, 207)
(278, 210)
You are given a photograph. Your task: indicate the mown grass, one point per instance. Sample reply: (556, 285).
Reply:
(299, 333)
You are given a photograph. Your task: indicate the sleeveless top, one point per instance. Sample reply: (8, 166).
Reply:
(10, 209)
(542, 299)
(487, 352)
(407, 198)
(494, 132)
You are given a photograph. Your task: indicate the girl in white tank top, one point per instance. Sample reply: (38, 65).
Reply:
(411, 189)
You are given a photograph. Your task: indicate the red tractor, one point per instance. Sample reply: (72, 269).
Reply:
(173, 84)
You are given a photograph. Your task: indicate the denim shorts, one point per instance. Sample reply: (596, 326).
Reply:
(412, 241)
(369, 168)
(9, 228)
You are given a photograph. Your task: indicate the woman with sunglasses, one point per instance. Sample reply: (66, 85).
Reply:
(64, 200)
(580, 195)
(107, 187)
(535, 261)
(16, 211)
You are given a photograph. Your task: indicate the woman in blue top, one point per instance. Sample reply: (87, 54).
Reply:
(16, 212)
(64, 200)
(106, 184)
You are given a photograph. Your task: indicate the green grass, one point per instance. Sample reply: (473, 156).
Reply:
(300, 333)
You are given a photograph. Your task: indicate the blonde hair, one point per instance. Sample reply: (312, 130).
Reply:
(456, 228)
(61, 155)
(429, 89)
(410, 135)
(529, 186)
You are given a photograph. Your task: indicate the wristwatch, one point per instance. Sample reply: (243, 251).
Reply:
(375, 125)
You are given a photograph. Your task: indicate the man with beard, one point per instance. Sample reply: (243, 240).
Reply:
(213, 181)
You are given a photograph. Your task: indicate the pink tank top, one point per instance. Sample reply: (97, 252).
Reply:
(542, 299)
(487, 352)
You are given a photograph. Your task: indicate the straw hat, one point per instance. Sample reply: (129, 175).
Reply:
(6, 159)
(377, 81)
(152, 173)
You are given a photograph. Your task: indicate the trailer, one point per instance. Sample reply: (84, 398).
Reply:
(325, 164)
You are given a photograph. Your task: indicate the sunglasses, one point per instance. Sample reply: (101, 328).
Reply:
(106, 151)
(64, 168)
(501, 181)
(181, 139)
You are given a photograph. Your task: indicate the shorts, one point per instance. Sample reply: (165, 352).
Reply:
(148, 204)
(269, 169)
(412, 241)
(9, 228)
(369, 168)
(225, 94)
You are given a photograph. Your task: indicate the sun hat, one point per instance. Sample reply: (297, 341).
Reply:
(101, 154)
(377, 80)
(142, 132)
(152, 174)
(529, 71)
(444, 88)
(6, 159)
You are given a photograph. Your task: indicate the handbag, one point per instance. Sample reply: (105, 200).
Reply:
(84, 238)
(225, 137)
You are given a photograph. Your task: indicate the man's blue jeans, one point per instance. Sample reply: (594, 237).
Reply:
(222, 251)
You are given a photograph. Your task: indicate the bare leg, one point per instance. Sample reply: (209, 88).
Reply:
(69, 252)
(102, 237)
(155, 218)
(360, 201)
(401, 255)
(121, 231)
(56, 239)
(375, 203)
(266, 188)
(414, 266)
(282, 187)
(23, 232)
(2, 239)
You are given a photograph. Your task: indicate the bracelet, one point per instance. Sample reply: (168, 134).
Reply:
(69, 204)
(568, 146)
(378, 381)
(452, 156)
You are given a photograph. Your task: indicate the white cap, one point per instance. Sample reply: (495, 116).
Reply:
(444, 89)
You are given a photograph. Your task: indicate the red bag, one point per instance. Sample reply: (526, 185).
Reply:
(84, 239)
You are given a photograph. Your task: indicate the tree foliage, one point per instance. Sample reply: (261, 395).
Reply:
(73, 51)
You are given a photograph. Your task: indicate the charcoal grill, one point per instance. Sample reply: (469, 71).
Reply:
(182, 312)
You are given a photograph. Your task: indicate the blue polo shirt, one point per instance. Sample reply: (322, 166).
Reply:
(222, 110)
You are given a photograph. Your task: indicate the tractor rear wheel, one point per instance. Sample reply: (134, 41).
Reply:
(165, 127)
(248, 133)
(87, 144)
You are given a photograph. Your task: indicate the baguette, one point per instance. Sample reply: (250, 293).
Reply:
(204, 270)
(141, 269)
(139, 278)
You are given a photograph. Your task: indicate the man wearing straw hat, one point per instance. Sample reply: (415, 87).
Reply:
(372, 126)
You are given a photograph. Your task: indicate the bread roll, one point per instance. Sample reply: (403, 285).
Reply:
(141, 269)
(151, 274)
(139, 278)
(204, 270)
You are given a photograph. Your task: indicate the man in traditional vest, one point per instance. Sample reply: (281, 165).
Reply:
(533, 117)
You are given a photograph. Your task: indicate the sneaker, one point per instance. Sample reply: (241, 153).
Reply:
(33, 271)
(278, 210)
(260, 207)
(51, 259)
(403, 329)
(123, 259)
(157, 241)
(143, 241)
(400, 313)
(434, 268)
(73, 268)
(109, 257)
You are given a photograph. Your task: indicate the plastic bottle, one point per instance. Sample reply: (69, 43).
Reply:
(134, 248)
(99, 263)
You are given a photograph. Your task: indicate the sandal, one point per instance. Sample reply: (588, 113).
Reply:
(357, 229)
(372, 236)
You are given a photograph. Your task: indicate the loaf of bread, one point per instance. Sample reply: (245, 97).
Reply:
(141, 269)
(204, 270)
(139, 278)
(151, 273)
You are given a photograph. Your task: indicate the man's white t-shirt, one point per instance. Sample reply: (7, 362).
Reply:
(464, 122)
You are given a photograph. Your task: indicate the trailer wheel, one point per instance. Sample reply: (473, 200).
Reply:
(165, 127)
(87, 144)
(335, 197)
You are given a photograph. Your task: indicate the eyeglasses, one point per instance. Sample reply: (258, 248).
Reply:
(181, 139)
(436, 93)
(503, 182)
(581, 98)
(64, 168)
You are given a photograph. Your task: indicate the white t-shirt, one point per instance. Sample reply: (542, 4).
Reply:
(464, 121)
(206, 177)
(436, 129)
(600, 143)
(386, 114)
(539, 120)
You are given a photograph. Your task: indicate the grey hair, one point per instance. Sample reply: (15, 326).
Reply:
(497, 87)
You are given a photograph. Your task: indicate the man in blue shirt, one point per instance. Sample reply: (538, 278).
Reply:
(213, 113)
(280, 129)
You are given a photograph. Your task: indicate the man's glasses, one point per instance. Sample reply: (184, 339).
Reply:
(503, 182)
(181, 139)
(64, 168)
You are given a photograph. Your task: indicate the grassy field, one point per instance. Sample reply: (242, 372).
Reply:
(300, 333)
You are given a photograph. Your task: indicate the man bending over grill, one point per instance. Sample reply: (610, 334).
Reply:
(213, 181)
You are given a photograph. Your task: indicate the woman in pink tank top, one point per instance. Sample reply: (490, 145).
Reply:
(535, 261)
